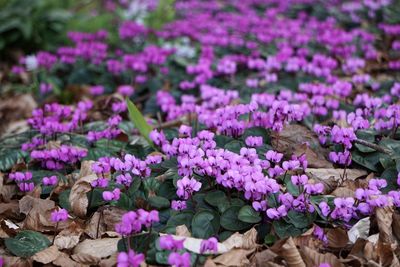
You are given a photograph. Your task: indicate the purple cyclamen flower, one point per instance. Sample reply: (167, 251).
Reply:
(299, 179)
(178, 205)
(126, 90)
(209, 245)
(185, 130)
(324, 207)
(130, 259)
(26, 187)
(59, 215)
(254, 141)
(187, 186)
(319, 233)
(273, 156)
(169, 243)
(178, 260)
(277, 213)
(50, 181)
(112, 195)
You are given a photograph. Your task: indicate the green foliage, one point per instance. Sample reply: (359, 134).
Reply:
(31, 25)
(139, 121)
(164, 13)
(230, 220)
(205, 224)
(249, 215)
(27, 243)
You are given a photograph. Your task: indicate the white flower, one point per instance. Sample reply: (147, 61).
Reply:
(31, 62)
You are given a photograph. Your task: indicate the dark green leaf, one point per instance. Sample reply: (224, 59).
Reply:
(230, 221)
(205, 224)
(159, 202)
(27, 243)
(249, 215)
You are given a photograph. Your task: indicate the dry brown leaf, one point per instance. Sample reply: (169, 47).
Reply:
(384, 217)
(10, 210)
(325, 174)
(182, 230)
(210, 263)
(245, 241)
(314, 160)
(313, 258)
(385, 253)
(38, 212)
(86, 168)
(47, 255)
(291, 254)
(359, 230)
(343, 192)
(109, 218)
(69, 237)
(234, 257)
(101, 248)
(8, 192)
(78, 198)
(337, 238)
(109, 261)
(396, 225)
(17, 262)
(260, 258)
(64, 260)
(307, 239)
(85, 259)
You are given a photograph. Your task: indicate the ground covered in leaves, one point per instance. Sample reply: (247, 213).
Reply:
(207, 133)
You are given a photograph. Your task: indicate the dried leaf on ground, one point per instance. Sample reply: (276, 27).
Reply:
(85, 259)
(64, 260)
(322, 174)
(47, 255)
(359, 230)
(69, 237)
(109, 218)
(38, 213)
(384, 217)
(291, 254)
(109, 261)
(234, 257)
(314, 258)
(10, 210)
(78, 198)
(307, 239)
(396, 225)
(337, 238)
(260, 258)
(343, 192)
(182, 230)
(245, 241)
(299, 139)
(100, 248)
(17, 261)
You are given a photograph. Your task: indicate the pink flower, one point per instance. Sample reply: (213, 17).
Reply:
(130, 259)
(59, 215)
(26, 187)
(179, 260)
(169, 243)
(210, 245)
(178, 204)
(112, 196)
(187, 186)
(126, 90)
(50, 181)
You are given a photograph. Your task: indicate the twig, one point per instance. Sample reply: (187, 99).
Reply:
(373, 146)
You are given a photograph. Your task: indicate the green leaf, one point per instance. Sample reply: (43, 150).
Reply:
(300, 219)
(63, 199)
(9, 157)
(284, 229)
(159, 202)
(234, 146)
(230, 221)
(139, 121)
(249, 215)
(214, 198)
(205, 224)
(184, 217)
(139, 243)
(27, 243)
(366, 161)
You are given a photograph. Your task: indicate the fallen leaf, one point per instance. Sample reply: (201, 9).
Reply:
(47, 255)
(234, 257)
(248, 240)
(314, 258)
(100, 248)
(78, 198)
(10, 210)
(110, 217)
(359, 230)
(182, 230)
(324, 174)
(85, 259)
(307, 239)
(64, 260)
(69, 237)
(291, 254)
(384, 217)
(109, 261)
(38, 213)
(337, 238)
(17, 261)
(343, 192)
(314, 160)
(396, 225)
(260, 258)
